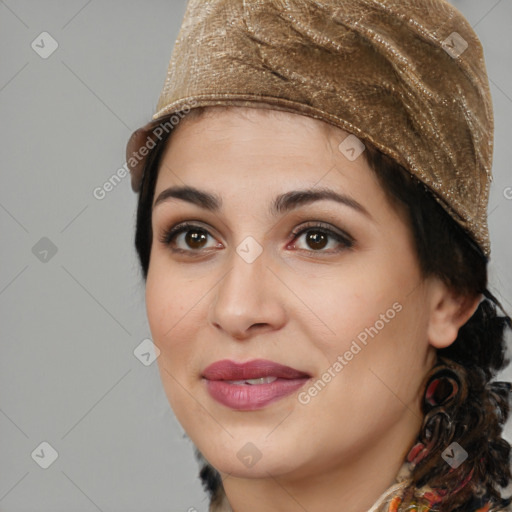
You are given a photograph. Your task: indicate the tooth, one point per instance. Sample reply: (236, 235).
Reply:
(262, 380)
(253, 382)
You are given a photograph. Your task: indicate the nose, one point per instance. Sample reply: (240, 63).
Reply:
(248, 299)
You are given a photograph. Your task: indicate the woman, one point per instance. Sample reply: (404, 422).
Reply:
(312, 232)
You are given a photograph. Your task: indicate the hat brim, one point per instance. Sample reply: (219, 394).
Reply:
(138, 148)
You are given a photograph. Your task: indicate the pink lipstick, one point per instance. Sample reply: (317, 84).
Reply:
(251, 385)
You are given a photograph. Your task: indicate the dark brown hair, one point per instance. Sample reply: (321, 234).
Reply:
(476, 414)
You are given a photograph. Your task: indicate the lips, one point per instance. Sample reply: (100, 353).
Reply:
(252, 385)
(255, 369)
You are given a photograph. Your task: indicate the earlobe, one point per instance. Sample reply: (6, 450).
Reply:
(449, 312)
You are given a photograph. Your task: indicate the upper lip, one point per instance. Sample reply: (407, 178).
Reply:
(231, 370)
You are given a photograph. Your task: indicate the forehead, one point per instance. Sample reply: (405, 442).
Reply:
(244, 145)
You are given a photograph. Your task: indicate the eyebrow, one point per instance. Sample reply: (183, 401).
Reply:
(282, 203)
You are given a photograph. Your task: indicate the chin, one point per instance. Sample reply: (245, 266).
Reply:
(265, 467)
(248, 455)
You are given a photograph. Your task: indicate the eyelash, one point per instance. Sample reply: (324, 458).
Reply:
(346, 240)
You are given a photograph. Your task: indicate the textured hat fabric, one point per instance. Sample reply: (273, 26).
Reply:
(407, 76)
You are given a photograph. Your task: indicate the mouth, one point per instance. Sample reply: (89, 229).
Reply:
(252, 372)
(251, 385)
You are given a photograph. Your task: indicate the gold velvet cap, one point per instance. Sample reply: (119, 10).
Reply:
(407, 75)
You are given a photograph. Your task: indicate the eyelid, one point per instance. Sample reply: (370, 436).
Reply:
(310, 225)
(166, 234)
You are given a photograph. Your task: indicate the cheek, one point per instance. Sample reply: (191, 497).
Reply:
(351, 303)
(160, 306)
(371, 319)
(167, 309)
(169, 296)
(173, 316)
(378, 360)
(176, 310)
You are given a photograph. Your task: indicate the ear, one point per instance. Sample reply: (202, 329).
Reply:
(449, 311)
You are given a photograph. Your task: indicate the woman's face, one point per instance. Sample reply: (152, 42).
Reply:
(329, 288)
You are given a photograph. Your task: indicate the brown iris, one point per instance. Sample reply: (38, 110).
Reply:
(316, 239)
(195, 238)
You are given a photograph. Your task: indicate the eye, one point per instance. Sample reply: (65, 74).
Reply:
(195, 238)
(317, 237)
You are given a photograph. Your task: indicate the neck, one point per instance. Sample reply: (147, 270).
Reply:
(352, 486)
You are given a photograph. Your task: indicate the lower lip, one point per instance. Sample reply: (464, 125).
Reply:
(245, 397)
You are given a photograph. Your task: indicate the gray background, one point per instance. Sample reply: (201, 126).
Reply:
(71, 321)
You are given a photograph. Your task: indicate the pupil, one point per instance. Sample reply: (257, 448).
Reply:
(194, 238)
(318, 240)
